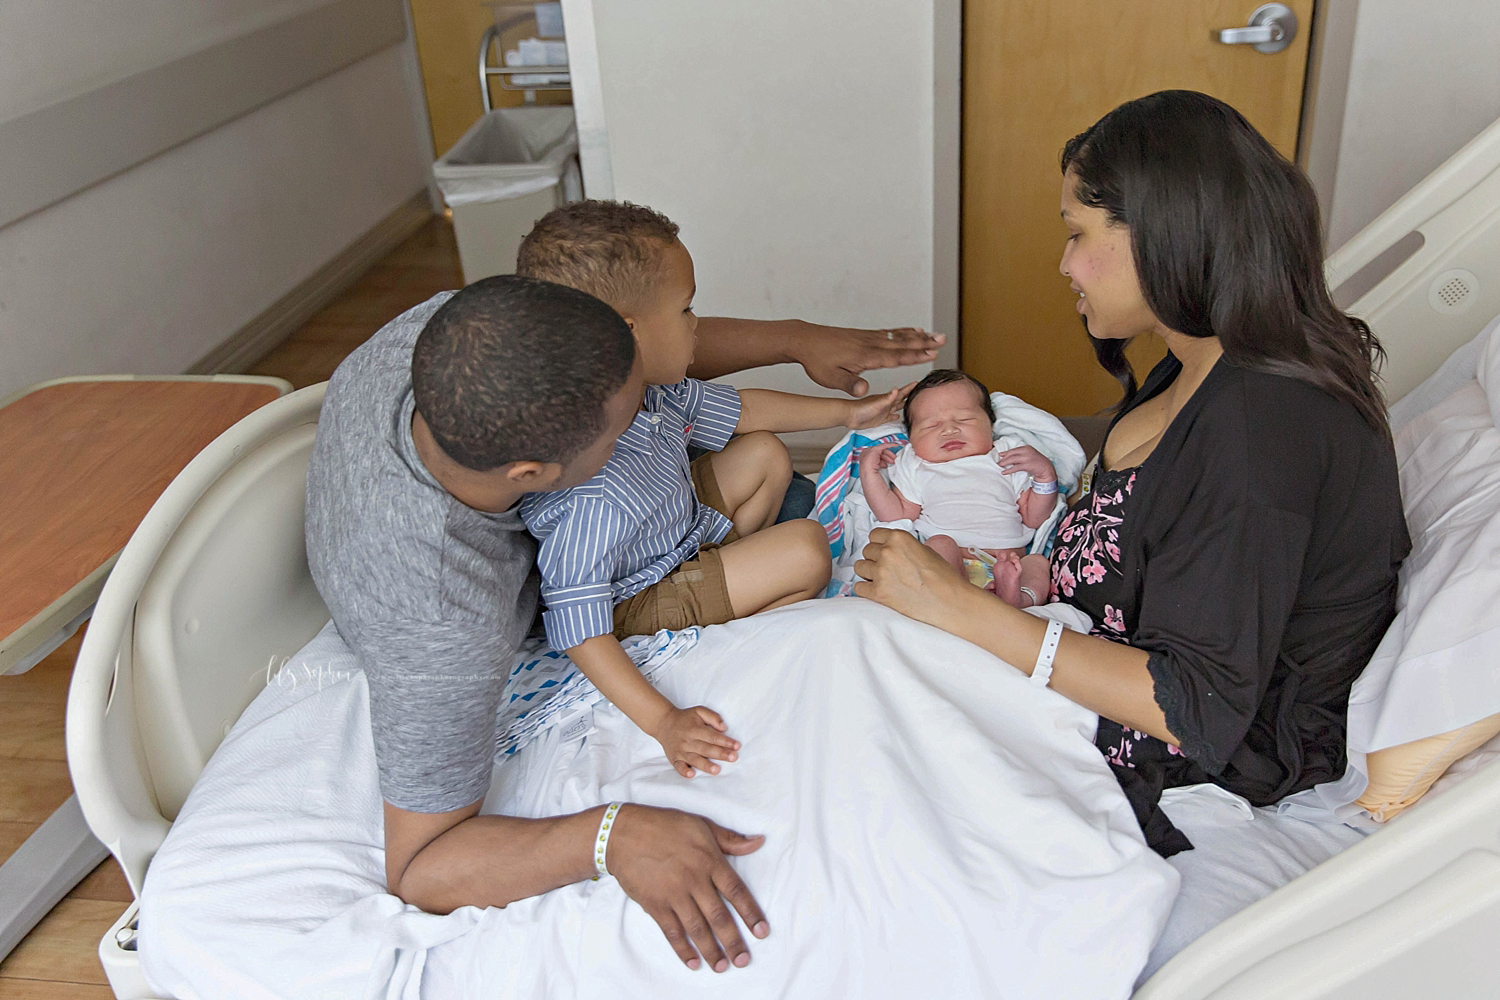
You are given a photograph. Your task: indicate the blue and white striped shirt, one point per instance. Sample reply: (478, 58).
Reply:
(638, 519)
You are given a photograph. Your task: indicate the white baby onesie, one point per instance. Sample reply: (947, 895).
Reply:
(968, 499)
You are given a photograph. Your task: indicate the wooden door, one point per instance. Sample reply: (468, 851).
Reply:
(1036, 73)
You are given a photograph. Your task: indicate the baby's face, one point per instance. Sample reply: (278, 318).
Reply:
(948, 422)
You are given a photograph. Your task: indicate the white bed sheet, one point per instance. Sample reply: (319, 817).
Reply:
(936, 826)
(1241, 855)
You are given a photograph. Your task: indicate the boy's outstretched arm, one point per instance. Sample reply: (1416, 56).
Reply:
(833, 357)
(769, 410)
(693, 738)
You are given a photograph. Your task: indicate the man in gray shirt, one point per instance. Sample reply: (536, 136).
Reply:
(429, 434)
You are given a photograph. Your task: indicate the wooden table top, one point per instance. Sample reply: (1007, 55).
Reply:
(82, 462)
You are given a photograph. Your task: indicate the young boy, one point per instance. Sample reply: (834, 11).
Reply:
(655, 541)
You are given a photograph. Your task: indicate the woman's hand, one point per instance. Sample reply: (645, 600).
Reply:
(877, 410)
(693, 738)
(908, 577)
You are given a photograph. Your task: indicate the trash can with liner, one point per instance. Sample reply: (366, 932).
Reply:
(511, 168)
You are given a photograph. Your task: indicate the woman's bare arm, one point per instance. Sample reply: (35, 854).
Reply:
(1106, 677)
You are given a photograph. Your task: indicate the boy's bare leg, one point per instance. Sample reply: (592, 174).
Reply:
(779, 565)
(753, 472)
(949, 550)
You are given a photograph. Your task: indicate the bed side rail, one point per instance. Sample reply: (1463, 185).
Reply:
(1402, 914)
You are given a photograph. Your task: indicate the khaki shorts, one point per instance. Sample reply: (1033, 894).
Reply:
(692, 594)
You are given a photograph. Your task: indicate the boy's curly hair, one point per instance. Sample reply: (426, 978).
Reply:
(611, 249)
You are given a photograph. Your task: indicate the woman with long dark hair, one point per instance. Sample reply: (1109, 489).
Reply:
(1238, 541)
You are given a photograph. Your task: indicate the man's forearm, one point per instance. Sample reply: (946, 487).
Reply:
(729, 345)
(496, 860)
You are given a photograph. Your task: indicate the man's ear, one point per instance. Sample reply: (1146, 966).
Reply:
(534, 477)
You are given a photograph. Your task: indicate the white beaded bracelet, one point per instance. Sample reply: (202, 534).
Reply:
(1042, 672)
(601, 841)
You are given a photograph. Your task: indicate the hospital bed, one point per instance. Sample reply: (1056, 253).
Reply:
(164, 672)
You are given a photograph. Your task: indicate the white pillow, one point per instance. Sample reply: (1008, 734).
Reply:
(1438, 667)
(1487, 371)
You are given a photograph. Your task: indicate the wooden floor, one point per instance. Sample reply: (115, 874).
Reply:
(58, 960)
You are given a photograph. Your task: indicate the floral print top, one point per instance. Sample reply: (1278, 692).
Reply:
(1086, 554)
(1086, 573)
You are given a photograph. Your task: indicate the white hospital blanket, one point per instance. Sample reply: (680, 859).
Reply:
(936, 826)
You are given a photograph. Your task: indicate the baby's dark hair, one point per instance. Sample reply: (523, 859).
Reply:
(947, 376)
(511, 369)
(610, 249)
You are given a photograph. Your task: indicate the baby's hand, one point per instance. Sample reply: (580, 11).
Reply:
(877, 458)
(691, 736)
(1028, 460)
(877, 410)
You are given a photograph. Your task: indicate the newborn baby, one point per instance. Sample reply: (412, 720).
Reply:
(961, 492)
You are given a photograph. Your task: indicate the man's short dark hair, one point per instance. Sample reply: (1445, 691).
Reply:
(611, 249)
(511, 369)
(947, 376)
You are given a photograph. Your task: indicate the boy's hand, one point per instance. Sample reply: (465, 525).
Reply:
(878, 409)
(691, 736)
(1028, 460)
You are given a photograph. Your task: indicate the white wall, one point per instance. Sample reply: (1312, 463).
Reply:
(1424, 79)
(150, 270)
(51, 50)
(793, 142)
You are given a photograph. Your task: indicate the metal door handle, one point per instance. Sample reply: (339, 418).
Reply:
(1271, 29)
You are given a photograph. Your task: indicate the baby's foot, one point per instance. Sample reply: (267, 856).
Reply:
(1007, 585)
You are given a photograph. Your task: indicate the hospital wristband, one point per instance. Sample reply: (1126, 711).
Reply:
(601, 840)
(1042, 672)
(1044, 489)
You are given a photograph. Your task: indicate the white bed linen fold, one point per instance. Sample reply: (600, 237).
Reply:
(936, 826)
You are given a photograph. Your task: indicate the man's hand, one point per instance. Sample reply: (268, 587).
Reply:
(672, 864)
(694, 738)
(883, 409)
(835, 357)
